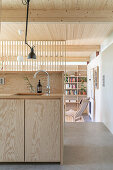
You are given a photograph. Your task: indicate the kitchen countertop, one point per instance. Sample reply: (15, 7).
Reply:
(44, 96)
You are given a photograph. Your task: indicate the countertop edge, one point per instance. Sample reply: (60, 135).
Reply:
(14, 96)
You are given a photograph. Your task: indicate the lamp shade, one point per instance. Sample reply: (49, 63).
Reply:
(31, 55)
(20, 59)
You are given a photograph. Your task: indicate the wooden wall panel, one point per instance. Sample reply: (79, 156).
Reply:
(11, 130)
(15, 83)
(42, 131)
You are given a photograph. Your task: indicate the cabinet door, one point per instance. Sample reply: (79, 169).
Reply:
(11, 130)
(42, 130)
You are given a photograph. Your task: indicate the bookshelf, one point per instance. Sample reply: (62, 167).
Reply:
(75, 86)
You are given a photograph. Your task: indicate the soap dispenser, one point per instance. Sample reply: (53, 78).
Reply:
(39, 87)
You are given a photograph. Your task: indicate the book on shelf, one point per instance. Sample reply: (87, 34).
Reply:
(71, 86)
(72, 79)
(71, 92)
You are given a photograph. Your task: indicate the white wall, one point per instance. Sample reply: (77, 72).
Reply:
(104, 95)
(107, 91)
(94, 63)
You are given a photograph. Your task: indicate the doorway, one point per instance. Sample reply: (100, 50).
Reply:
(76, 93)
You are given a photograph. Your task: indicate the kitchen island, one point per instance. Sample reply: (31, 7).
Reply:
(31, 128)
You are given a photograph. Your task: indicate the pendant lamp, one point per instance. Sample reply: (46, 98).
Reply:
(31, 55)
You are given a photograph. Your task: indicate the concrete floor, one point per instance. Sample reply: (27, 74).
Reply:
(87, 146)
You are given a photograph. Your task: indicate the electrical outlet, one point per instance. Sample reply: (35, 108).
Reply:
(2, 80)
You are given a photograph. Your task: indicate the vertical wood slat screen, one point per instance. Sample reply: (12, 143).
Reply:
(0, 13)
(51, 56)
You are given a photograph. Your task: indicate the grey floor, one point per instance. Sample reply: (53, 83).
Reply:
(87, 146)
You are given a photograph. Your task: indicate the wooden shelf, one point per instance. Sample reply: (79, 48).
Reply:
(72, 83)
(74, 88)
(81, 82)
(74, 95)
(71, 76)
(70, 95)
(82, 95)
(72, 103)
(82, 76)
(71, 89)
(76, 77)
(82, 70)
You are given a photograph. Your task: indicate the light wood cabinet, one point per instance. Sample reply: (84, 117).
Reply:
(30, 130)
(11, 130)
(42, 130)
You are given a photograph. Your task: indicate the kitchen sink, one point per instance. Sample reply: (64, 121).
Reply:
(30, 94)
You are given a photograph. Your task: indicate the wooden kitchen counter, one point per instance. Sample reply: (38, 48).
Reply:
(44, 96)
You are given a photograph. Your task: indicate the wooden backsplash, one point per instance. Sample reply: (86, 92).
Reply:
(15, 82)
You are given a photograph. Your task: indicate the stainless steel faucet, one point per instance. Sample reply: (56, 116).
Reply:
(48, 82)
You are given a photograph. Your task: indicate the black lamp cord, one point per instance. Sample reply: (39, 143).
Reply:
(26, 2)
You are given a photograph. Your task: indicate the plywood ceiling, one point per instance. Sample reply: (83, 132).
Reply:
(75, 34)
(79, 34)
(60, 4)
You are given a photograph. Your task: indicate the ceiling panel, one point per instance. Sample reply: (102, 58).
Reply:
(60, 4)
(75, 34)
(9, 31)
(81, 34)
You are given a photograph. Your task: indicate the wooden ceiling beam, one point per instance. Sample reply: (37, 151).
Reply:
(82, 48)
(68, 16)
(72, 48)
(68, 59)
(77, 59)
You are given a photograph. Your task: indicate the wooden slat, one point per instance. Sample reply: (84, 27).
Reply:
(75, 15)
(12, 49)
